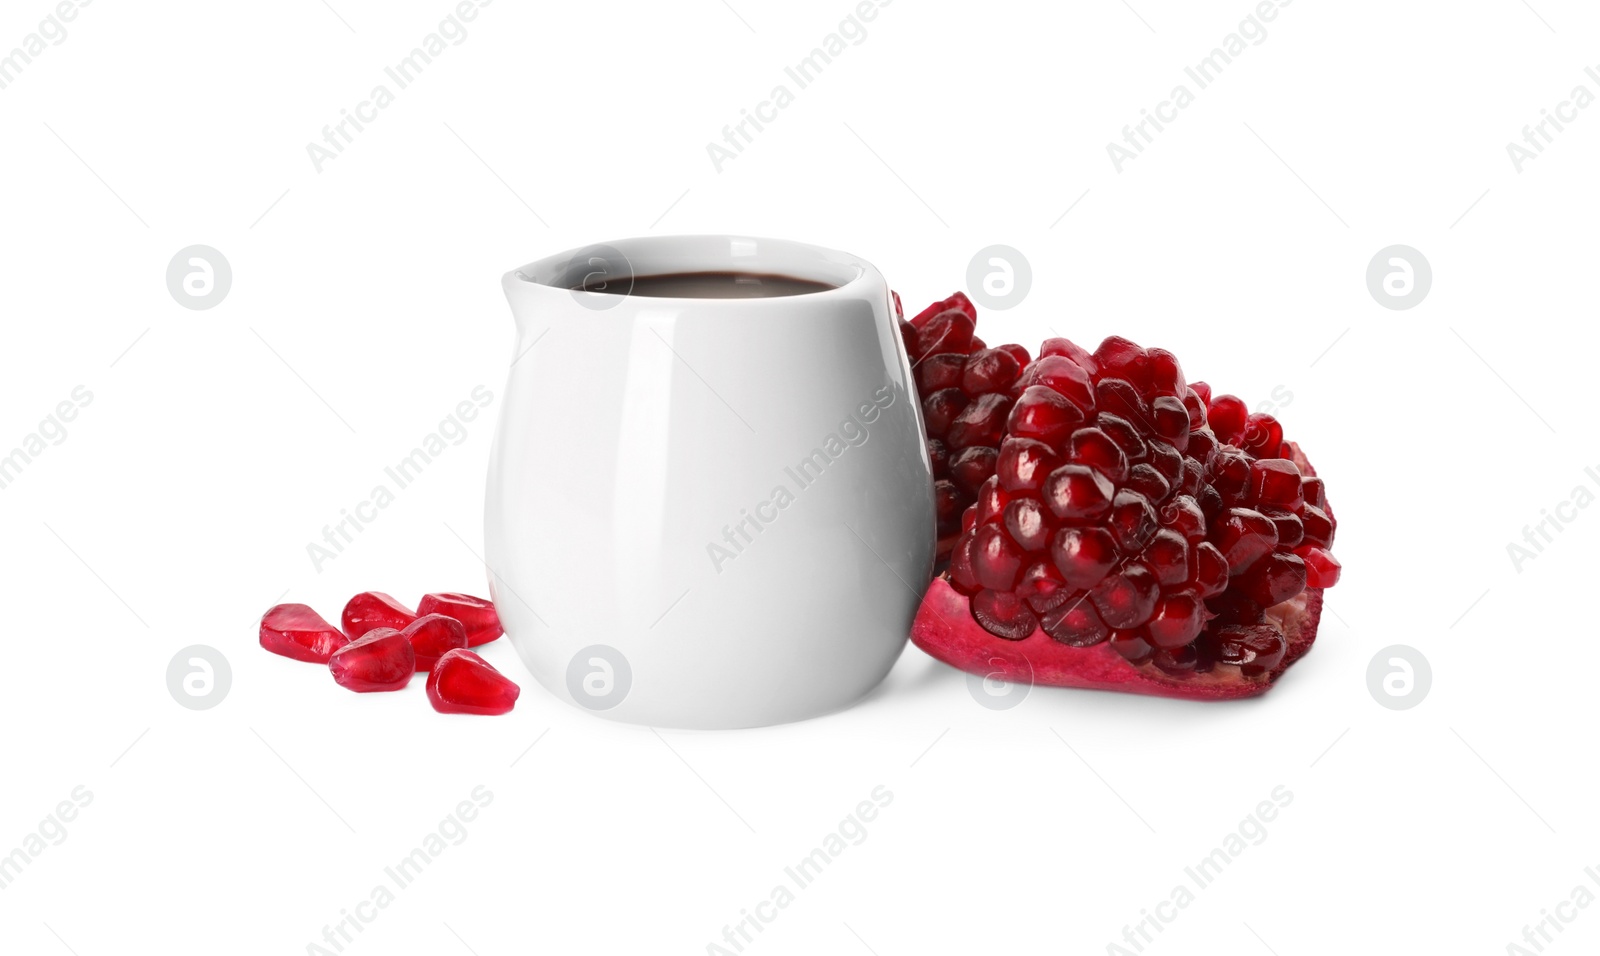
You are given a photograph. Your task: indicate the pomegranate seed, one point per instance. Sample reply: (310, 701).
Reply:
(1078, 493)
(976, 345)
(464, 683)
(1168, 461)
(1133, 521)
(1128, 598)
(1227, 417)
(1070, 350)
(1318, 529)
(1202, 448)
(1179, 661)
(1311, 489)
(1093, 447)
(1075, 625)
(1043, 414)
(1171, 421)
(1276, 578)
(1196, 410)
(969, 518)
(1275, 482)
(949, 331)
(1166, 375)
(1132, 646)
(1167, 555)
(1024, 463)
(946, 500)
(981, 423)
(1184, 516)
(1041, 586)
(962, 577)
(1062, 376)
(295, 630)
(992, 501)
(1003, 614)
(941, 409)
(991, 370)
(1230, 475)
(973, 467)
(371, 609)
(1026, 522)
(1118, 397)
(1255, 649)
(1244, 537)
(431, 635)
(1148, 482)
(1263, 436)
(996, 559)
(938, 372)
(1322, 569)
(1290, 528)
(1019, 353)
(1119, 358)
(1201, 391)
(1210, 576)
(957, 302)
(908, 335)
(938, 456)
(379, 660)
(1126, 437)
(1084, 556)
(1176, 621)
(477, 615)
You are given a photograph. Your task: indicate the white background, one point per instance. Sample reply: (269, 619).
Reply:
(365, 305)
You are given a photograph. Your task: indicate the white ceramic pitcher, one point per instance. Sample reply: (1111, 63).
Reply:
(707, 513)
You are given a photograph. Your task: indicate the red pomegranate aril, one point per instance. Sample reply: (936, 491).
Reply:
(1201, 391)
(1177, 620)
(1126, 437)
(1128, 598)
(371, 609)
(976, 345)
(464, 683)
(1230, 475)
(382, 659)
(996, 559)
(298, 632)
(969, 518)
(946, 502)
(1003, 614)
(1078, 494)
(992, 501)
(1119, 358)
(1043, 414)
(1075, 624)
(1023, 464)
(939, 372)
(1133, 521)
(1275, 579)
(1117, 397)
(1167, 555)
(476, 614)
(1178, 662)
(1132, 646)
(1210, 575)
(981, 423)
(1093, 447)
(1275, 482)
(962, 576)
(1062, 376)
(1017, 352)
(973, 467)
(1318, 528)
(941, 409)
(938, 456)
(1290, 529)
(1263, 436)
(1148, 482)
(431, 635)
(1184, 516)
(991, 370)
(1025, 521)
(1244, 537)
(908, 335)
(1042, 587)
(1322, 569)
(1202, 447)
(1196, 410)
(1191, 477)
(1171, 421)
(958, 302)
(1166, 375)
(1314, 493)
(949, 331)
(1227, 416)
(1084, 556)
(1255, 649)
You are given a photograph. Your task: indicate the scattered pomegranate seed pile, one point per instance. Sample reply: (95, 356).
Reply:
(1119, 527)
(383, 643)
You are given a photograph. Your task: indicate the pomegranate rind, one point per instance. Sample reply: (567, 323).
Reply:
(945, 629)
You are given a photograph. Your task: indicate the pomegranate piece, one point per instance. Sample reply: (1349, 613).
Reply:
(295, 630)
(379, 660)
(431, 635)
(371, 609)
(1160, 538)
(464, 683)
(477, 615)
